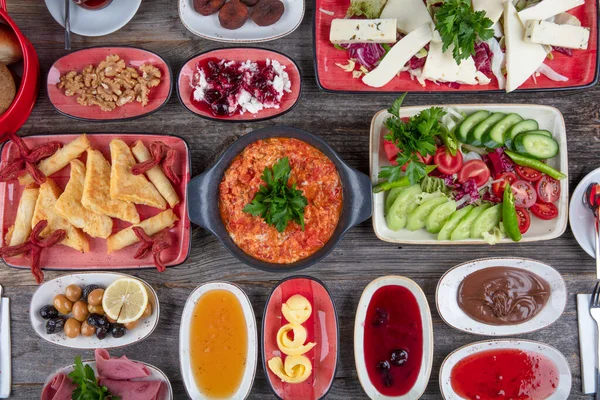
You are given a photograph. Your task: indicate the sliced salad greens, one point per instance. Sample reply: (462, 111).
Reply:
(483, 190)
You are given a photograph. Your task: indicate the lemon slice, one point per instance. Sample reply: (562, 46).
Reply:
(125, 300)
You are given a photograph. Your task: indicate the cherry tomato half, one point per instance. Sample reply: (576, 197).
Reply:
(525, 195)
(507, 178)
(548, 189)
(544, 210)
(529, 174)
(474, 169)
(523, 219)
(391, 151)
(446, 162)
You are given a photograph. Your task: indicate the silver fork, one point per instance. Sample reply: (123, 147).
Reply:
(595, 312)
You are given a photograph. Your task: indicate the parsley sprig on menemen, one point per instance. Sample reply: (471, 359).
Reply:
(276, 202)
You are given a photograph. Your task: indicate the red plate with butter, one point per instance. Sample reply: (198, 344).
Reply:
(581, 69)
(322, 329)
(65, 258)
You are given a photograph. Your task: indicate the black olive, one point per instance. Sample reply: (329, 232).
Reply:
(101, 333)
(388, 381)
(399, 357)
(118, 330)
(87, 290)
(48, 312)
(380, 318)
(383, 366)
(98, 321)
(55, 325)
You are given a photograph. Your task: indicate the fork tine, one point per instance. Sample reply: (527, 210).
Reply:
(594, 301)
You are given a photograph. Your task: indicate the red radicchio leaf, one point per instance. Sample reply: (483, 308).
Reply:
(483, 58)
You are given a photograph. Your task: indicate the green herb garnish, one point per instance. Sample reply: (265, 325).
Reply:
(414, 137)
(87, 385)
(460, 26)
(276, 202)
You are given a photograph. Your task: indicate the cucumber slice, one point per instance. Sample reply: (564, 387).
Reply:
(416, 219)
(538, 132)
(476, 135)
(486, 221)
(535, 145)
(469, 123)
(404, 204)
(453, 222)
(391, 196)
(494, 138)
(463, 230)
(438, 217)
(523, 126)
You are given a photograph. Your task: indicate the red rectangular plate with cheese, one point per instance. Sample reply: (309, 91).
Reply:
(581, 68)
(65, 258)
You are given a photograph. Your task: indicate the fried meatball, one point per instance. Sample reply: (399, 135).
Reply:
(267, 12)
(233, 14)
(249, 3)
(208, 7)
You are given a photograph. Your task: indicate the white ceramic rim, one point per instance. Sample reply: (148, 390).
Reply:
(56, 9)
(155, 373)
(228, 40)
(378, 219)
(447, 303)
(89, 342)
(585, 239)
(184, 339)
(564, 383)
(361, 313)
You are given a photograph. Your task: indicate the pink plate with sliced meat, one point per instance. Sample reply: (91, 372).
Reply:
(129, 379)
(321, 328)
(580, 67)
(261, 83)
(60, 257)
(133, 57)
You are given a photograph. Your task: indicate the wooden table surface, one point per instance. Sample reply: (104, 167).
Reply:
(343, 121)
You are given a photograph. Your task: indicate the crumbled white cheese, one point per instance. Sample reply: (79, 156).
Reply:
(201, 85)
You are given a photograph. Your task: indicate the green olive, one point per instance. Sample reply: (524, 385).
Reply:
(62, 304)
(131, 325)
(87, 329)
(73, 293)
(72, 328)
(147, 311)
(95, 297)
(80, 310)
(95, 309)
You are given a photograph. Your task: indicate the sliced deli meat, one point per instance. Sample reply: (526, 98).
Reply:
(59, 388)
(522, 58)
(133, 390)
(119, 369)
(398, 56)
(409, 14)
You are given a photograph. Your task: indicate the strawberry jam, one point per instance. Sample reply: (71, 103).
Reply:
(393, 341)
(504, 374)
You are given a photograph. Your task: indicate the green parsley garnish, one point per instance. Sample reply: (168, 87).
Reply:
(276, 202)
(460, 26)
(416, 136)
(87, 385)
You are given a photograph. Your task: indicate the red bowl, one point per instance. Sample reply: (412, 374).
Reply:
(18, 112)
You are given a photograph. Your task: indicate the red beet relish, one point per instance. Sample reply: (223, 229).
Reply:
(393, 341)
(504, 374)
(227, 81)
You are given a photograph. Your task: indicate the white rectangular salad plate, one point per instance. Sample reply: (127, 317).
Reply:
(548, 118)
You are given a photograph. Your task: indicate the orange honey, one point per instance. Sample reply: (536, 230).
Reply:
(218, 344)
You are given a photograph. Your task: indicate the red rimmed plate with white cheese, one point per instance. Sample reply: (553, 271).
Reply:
(394, 46)
(239, 84)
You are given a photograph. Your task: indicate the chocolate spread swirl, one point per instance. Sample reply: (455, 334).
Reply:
(502, 295)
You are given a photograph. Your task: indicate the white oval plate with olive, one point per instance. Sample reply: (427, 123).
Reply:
(45, 294)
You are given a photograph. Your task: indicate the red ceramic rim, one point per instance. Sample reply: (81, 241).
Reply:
(582, 69)
(288, 101)
(133, 56)
(67, 259)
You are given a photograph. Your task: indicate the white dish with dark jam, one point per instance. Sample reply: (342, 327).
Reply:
(392, 365)
(525, 296)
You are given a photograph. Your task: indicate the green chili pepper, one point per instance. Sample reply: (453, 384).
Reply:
(509, 215)
(449, 140)
(402, 182)
(535, 164)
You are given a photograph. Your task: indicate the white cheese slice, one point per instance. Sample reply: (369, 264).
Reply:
(522, 58)
(362, 31)
(493, 8)
(398, 56)
(409, 14)
(441, 67)
(549, 33)
(547, 9)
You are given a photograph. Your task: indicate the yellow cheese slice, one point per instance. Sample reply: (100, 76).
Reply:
(296, 369)
(296, 309)
(295, 346)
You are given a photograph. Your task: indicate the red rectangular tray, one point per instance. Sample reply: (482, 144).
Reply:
(65, 258)
(581, 69)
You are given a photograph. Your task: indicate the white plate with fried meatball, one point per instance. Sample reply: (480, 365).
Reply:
(241, 21)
